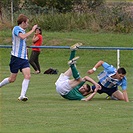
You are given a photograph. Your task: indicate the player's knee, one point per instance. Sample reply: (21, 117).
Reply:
(12, 80)
(120, 98)
(28, 76)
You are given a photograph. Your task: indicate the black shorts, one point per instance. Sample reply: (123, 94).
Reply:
(108, 91)
(18, 64)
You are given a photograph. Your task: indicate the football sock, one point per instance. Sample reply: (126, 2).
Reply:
(75, 72)
(4, 82)
(25, 85)
(72, 55)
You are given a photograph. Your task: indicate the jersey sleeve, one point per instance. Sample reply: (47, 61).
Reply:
(108, 68)
(124, 83)
(17, 30)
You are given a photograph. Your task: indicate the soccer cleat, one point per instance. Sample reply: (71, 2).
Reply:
(22, 98)
(76, 46)
(108, 97)
(73, 61)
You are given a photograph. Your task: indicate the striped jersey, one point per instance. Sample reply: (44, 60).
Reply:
(107, 81)
(18, 45)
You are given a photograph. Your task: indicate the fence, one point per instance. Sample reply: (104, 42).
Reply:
(117, 49)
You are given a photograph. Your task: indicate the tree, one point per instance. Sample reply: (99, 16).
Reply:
(61, 6)
(1, 12)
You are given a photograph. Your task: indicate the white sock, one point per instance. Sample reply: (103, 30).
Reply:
(25, 85)
(4, 82)
(114, 98)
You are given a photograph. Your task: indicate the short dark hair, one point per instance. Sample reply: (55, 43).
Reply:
(39, 30)
(121, 70)
(88, 86)
(21, 18)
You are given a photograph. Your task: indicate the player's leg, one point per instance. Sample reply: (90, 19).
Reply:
(63, 83)
(118, 94)
(72, 55)
(74, 70)
(25, 84)
(68, 72)
(72, 63)
(26, 72)
(8, 80)
(73, 49)
(77, 79)
(14, 70)
(4, 82)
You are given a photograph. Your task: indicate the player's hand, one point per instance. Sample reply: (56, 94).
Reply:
(98, 87)
(90, 71)
(34, 27)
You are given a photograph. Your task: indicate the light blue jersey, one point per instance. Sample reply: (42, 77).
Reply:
(18, 45)
(107, 81)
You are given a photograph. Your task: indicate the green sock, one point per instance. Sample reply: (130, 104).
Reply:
(75, 72)
(72, 55)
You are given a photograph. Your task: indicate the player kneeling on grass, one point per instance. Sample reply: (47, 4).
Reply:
(109, 79)
(75, 89)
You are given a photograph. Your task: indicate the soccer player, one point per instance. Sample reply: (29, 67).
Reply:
(75, 89)
(109, 79)
(19, 59)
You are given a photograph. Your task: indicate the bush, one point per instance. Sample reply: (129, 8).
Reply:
(108, 17)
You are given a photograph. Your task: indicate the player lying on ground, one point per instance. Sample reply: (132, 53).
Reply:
(110, 79)
(75, 89)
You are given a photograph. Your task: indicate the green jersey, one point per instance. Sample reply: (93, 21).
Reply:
(74, 94)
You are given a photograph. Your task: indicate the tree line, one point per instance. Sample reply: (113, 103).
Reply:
(62, 6)
(78, 14)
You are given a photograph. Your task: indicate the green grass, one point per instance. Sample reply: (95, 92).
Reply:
(48, 112)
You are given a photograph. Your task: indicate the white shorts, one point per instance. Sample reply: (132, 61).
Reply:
(62, 84)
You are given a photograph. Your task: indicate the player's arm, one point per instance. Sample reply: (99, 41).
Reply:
(125, 95)
(124, 89)
(90, 96)
(23, 36)
(87, 78)
(98, 87)
(98, 64)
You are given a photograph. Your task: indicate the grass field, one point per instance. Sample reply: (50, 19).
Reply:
(46, 111)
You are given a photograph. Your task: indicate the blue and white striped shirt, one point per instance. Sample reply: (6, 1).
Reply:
(107, 81)
(18, 45)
